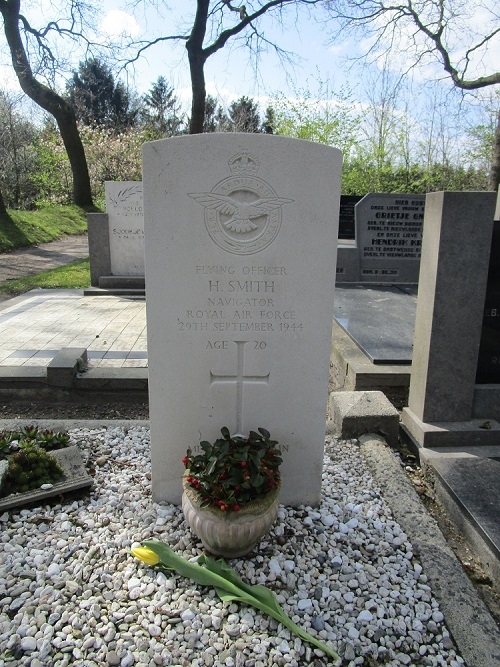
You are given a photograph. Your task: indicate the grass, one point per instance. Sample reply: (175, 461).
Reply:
(75, 275)
(21, 229)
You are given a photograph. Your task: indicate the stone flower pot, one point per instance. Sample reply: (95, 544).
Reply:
(229, 534)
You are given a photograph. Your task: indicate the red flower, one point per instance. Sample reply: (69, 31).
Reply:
(236, 508)
(243, 464)
(185, 460)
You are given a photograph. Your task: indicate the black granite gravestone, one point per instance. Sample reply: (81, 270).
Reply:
(488, 366)
(346, 216)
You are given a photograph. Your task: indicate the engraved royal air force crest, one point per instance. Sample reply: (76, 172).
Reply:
(242, 212)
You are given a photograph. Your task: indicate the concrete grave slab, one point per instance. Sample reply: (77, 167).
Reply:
(465, 480)
(473, 481)
(380, 319)
(240, 257)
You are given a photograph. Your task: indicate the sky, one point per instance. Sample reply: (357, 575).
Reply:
(229, 75)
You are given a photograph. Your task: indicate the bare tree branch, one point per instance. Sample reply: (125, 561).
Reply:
(47, 98)
(380, 19)
(435, 24)
(214, 24)
(144, 45)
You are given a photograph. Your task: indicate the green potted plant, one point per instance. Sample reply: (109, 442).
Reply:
(29, 465)
(231, 491)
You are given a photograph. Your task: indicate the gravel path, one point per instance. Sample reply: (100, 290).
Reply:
(70, 592)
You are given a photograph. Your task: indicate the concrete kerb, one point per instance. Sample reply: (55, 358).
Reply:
(467, 617)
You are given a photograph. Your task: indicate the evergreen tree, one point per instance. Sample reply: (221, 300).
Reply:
(244, 115)
(97, 99)
(160, 112)
(269, 123)
(210, 122)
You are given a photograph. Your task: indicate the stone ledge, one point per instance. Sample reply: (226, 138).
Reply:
(104, 379)
(351, 370)
(355, 413)
(474, 432)
(11, 374)
(130, 293)
(63, 368)
(123, 282)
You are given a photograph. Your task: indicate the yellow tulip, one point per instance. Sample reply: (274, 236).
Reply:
(146, 555)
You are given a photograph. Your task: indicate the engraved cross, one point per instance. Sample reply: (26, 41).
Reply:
(240, 379)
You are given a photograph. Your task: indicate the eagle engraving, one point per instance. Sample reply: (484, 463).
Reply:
(242, 213)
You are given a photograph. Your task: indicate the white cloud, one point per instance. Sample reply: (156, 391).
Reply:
(117, 23)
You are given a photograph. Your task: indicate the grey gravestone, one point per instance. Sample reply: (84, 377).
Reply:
(126, 227)
(389, 237)
(488, 367)
(442, 403)
(240, 284)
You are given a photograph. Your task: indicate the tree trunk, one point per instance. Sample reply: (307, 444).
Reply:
(197, 58)
(50, 101)
(495, 163)
(3, 208)
(199, 93)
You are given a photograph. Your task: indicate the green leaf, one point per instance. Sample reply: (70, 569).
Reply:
(211, 465)
(229, 587)
(256, 457)
(206, 446)
(225, 433)
(241, 454)
(258, 480)
(265, 433)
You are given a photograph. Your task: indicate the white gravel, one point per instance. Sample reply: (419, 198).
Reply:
(71, 593)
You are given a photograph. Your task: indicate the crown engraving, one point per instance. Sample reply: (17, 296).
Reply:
(244, 164)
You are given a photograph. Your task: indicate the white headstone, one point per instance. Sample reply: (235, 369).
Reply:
(240, 275)
(126, 227)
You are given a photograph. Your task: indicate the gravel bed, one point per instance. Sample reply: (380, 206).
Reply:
(71, 593)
